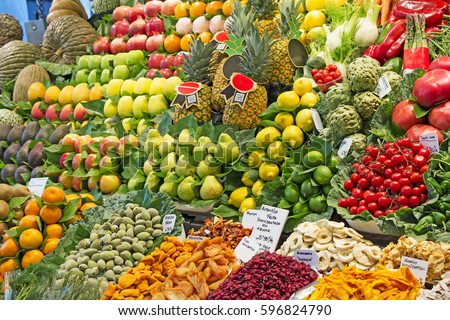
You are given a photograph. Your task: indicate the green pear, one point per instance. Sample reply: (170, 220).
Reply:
(107, 61)
(142, 86)
(227, 150)
(208, 167)
(185, 190)
(186, 143)
(153, 141)
(157, 86)
(125, 107)
(184, 168)
(135, 184)
(142, 126)
(170, 87)
(148, 167)
(167, 145)
(152, 182)
(211, 188)
(168, 163)
(170, 184)
(109, 109)
(201, 149)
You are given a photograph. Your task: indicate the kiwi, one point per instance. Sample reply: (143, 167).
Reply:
(11, 152)
(3, 228)
(8, 172)
(21, 191)
(59, 133)
(4, 130)
(22, 154)
(44, 133)
(22, 174)
(30, 131)
(6, 192)
(15, 134)
(4, 210)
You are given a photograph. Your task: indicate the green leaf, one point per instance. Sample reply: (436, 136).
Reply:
(270, 113)
(94, 107)
(225, 212)
(272, 192)
(270, 123)
(55, 68)
(419, 111)
(18, 201)
(235, 45)
(15, 233)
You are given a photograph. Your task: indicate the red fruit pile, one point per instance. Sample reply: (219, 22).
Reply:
(328, 74)
(387, 179)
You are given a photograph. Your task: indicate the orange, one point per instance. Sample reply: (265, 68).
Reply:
(186, 42)
(9, 248)
(172, 43)
(73, 219)
(52, 94)
(205, 36)
(6, 237)
(8, 265)
(29, 221)
(32, 208)
(197, 9)
(227, 8)
(54, 230)
(50, 245)
(53, 194)
(31, 239)
(87, 205)
(213, 7)
(65, 96)
(73, 196)
(50, 214)
(182, 10)
(36, 91)
(31, 257)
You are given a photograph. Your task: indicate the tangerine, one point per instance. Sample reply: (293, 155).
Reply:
(50, 245)
(50, 214)
(9, 248)
(29, 221)
(205, 36)
(32, 208)
(172, 43)
(8, 265)
(53, 194)
(197, 9)
(87, 205)
(227, 8)
(186, 41)
(213, 7)
(87, 195)
(31, 239)
(54, 230)
(6, 236)
(182, 10)
(51, 94)
(31, 257)
(73, 219)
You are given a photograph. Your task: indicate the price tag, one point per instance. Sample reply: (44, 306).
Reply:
(169, 223)
(250, 218)
(268, 228)
(418, 268)
(37, 186)
(196, 238)
(307, 256)
(344, 147)
(246, 249)
(430, 141)
(317, 120)
(383, 88)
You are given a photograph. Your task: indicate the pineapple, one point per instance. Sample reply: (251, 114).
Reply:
(283, 68)
(197, 68)
(265, 12)
(255, 64)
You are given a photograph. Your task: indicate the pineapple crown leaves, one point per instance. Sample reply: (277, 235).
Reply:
(197, 65)
(235, 45)
(294, 28)
(241, 19)
(289, 18)
(264, 9)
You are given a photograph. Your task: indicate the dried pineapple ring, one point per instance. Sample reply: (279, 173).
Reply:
(344, 244)
(336, 225)
(295, 241)
(320, 246)
(345, 255)
(324, 236)
(360, 256)
(304, 227)
(324, 260)
(373, 253)
(353, 234)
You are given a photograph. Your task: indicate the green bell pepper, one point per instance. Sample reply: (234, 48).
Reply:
(422, 226)
(396, 64)
(438, 218)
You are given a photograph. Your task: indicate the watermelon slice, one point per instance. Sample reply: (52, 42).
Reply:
(243, 83)
(221, 37)
(187, 88)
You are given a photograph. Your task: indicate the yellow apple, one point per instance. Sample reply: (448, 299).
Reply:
(109, 109)
(113, 88)
(109, 183)
(127, 87)
(142, 125)
(157, 104)
(157, 86)
(125, 107)
(142, 85)
(170, 87)
(140, 106)
(129, 124)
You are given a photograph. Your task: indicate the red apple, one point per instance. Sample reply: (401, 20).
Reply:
(137, 42)
(65, 180)
(153, 42)
(108, 143)
(70, 139)
(175, 73)
(79, 113)
(109, 183)
(76, 161)
(178, 60)
(135, 12)
(62, 159)
(81, 142)
(89, 161)
(121, 13)
(167, 62)
(118, 45)
(108, 163)
(155, 60)
(91, 143)
(66, 111)
(152, 73)
(79, 184)
(93, 183)
(168, 7)
(51, 114)
(102, 44)
(36, 111)
(153, 8)
(154, 26)
(166, 72)
(125, 143)
(137, 27)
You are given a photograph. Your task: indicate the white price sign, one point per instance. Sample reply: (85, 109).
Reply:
(168, 223)
(383, 88)
(246, 249)
(268, 228)
(307, 256)
(317, 120)
(37, 186)
(195, 238)
(344, 147)
(250, 218)
(430, 141)
(418, 268)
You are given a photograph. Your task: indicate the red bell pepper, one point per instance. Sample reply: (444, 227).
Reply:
(433, 10)
(415, 54)
(396, 50)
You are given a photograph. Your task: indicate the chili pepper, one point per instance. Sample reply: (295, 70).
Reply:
(447, 215)
(436, 185)
(396, 64)
(422, 226)
(396, 50)
(398, 28)
(433, 10)
(384, 32)
(415, 54)
(446, 186)
(447, 176)
(443, 206)
(438, 218)
(372, 51)
(447, 225)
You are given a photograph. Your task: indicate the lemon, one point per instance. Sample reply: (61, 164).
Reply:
(266, 136)
(309, 99)
(237, 196)
(293, 136)
(314, 4)
(329, 4)
(247, 204)
(254, 159)
(276, 151)
(250, 177)
(314, 18)
(304, 120)
(268, 171)
(315, 34)
(288, 101)
(284, 119)
(257, 188)
(302, 86)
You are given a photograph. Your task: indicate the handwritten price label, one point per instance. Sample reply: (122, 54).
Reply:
(250, 218)
(37, 186)
(169, 223)
(268, 227)
(246, 249)
(308, 257)
(430, 141)
(383, 88)
(344, 147)
(419, 268)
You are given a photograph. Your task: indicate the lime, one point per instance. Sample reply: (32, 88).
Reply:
(309, 100)
(293, 136)
(288, 101)
(250, 177)
(276, 151)
(312, 159)
(266, 136)
(298, 177)
(257, 188)
(268, 171)
(326, 189)
(284, 119)
(322, 175)
(334, 161)
(304, 120)
(300, 208)
(292, 193)
(307, 189)
(318, 203)
(302, 86)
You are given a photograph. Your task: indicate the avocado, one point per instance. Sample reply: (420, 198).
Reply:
(22, 174)
(8, 172)
(30, 131)
(59, 133)
(11, 152)
(36, 155)
(15, 134)
(44, 133)
(4, 130)
(37, 172)
(22, 154)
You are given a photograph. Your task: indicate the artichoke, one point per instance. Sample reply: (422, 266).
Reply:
(393, 77)
(359, 142)
(338, 94)
(343, 121)
(363, 74)
(366, 103)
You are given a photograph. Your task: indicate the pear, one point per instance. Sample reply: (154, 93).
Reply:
(153, 181)
(186, 142)
(148, 167)
(167, 145)
(184, 168)
(227, 150)
(169, 162)
(135, 184)
(154, 140)
(202, 147)
(211, 188)
(185, 190)
(170, 184)
(208, 167)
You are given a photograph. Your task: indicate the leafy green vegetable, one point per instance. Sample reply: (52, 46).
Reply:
(55, 68)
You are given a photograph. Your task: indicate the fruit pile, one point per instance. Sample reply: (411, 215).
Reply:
(387, 178)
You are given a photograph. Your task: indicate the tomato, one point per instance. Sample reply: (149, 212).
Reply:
(387, 183)
(389, 211)
(406, 191)
(405, 182)
(381, 194)
(404, 142)
(357, 166)
(413, 201)
(373, 151)
(348, 185)
(354, 210)
(363, 183)
(355, 177)
(366, 160)
(397, 159)
(402, 200)
(404, 116)
(424, 152)
(388, 145)
(362, 203)
(395, 186)
(419, 160)
(379, 213)
(357, 193)
(365, 172)
(399, 169)
(396, 176)
(328, 79)
(320, 81)
(370, 196)
(314, 71)
(417, 130)
(439, 116)
(338, 74)
(423, 169)
(332, 74)
(416, 146)
(382, 158)
(423, 198)
(361, 209)
(416, 191)
(377, 181)
(416, 177)
(343, 202)
(332, 67)
(352, 201)
(384, 201)
(372, 207)
(388, 163)
(390, 152)
(423, 188)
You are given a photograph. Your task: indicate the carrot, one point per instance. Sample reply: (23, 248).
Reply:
(385, 10)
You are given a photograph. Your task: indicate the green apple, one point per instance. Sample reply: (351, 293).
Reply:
(140, 106)
(125, 107)
(83, 62)
(82, 76)
(135, 57)
(157, 86)
(107, 61)
(113, 87)
(170, 87)
(157, 104)
(94, 62)
(106, 75)
(109, 109)
(94, 76)
(142, 86)
(120, 59)
(129, 124)
(142, 125)
(127, 88)
(121, 72)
